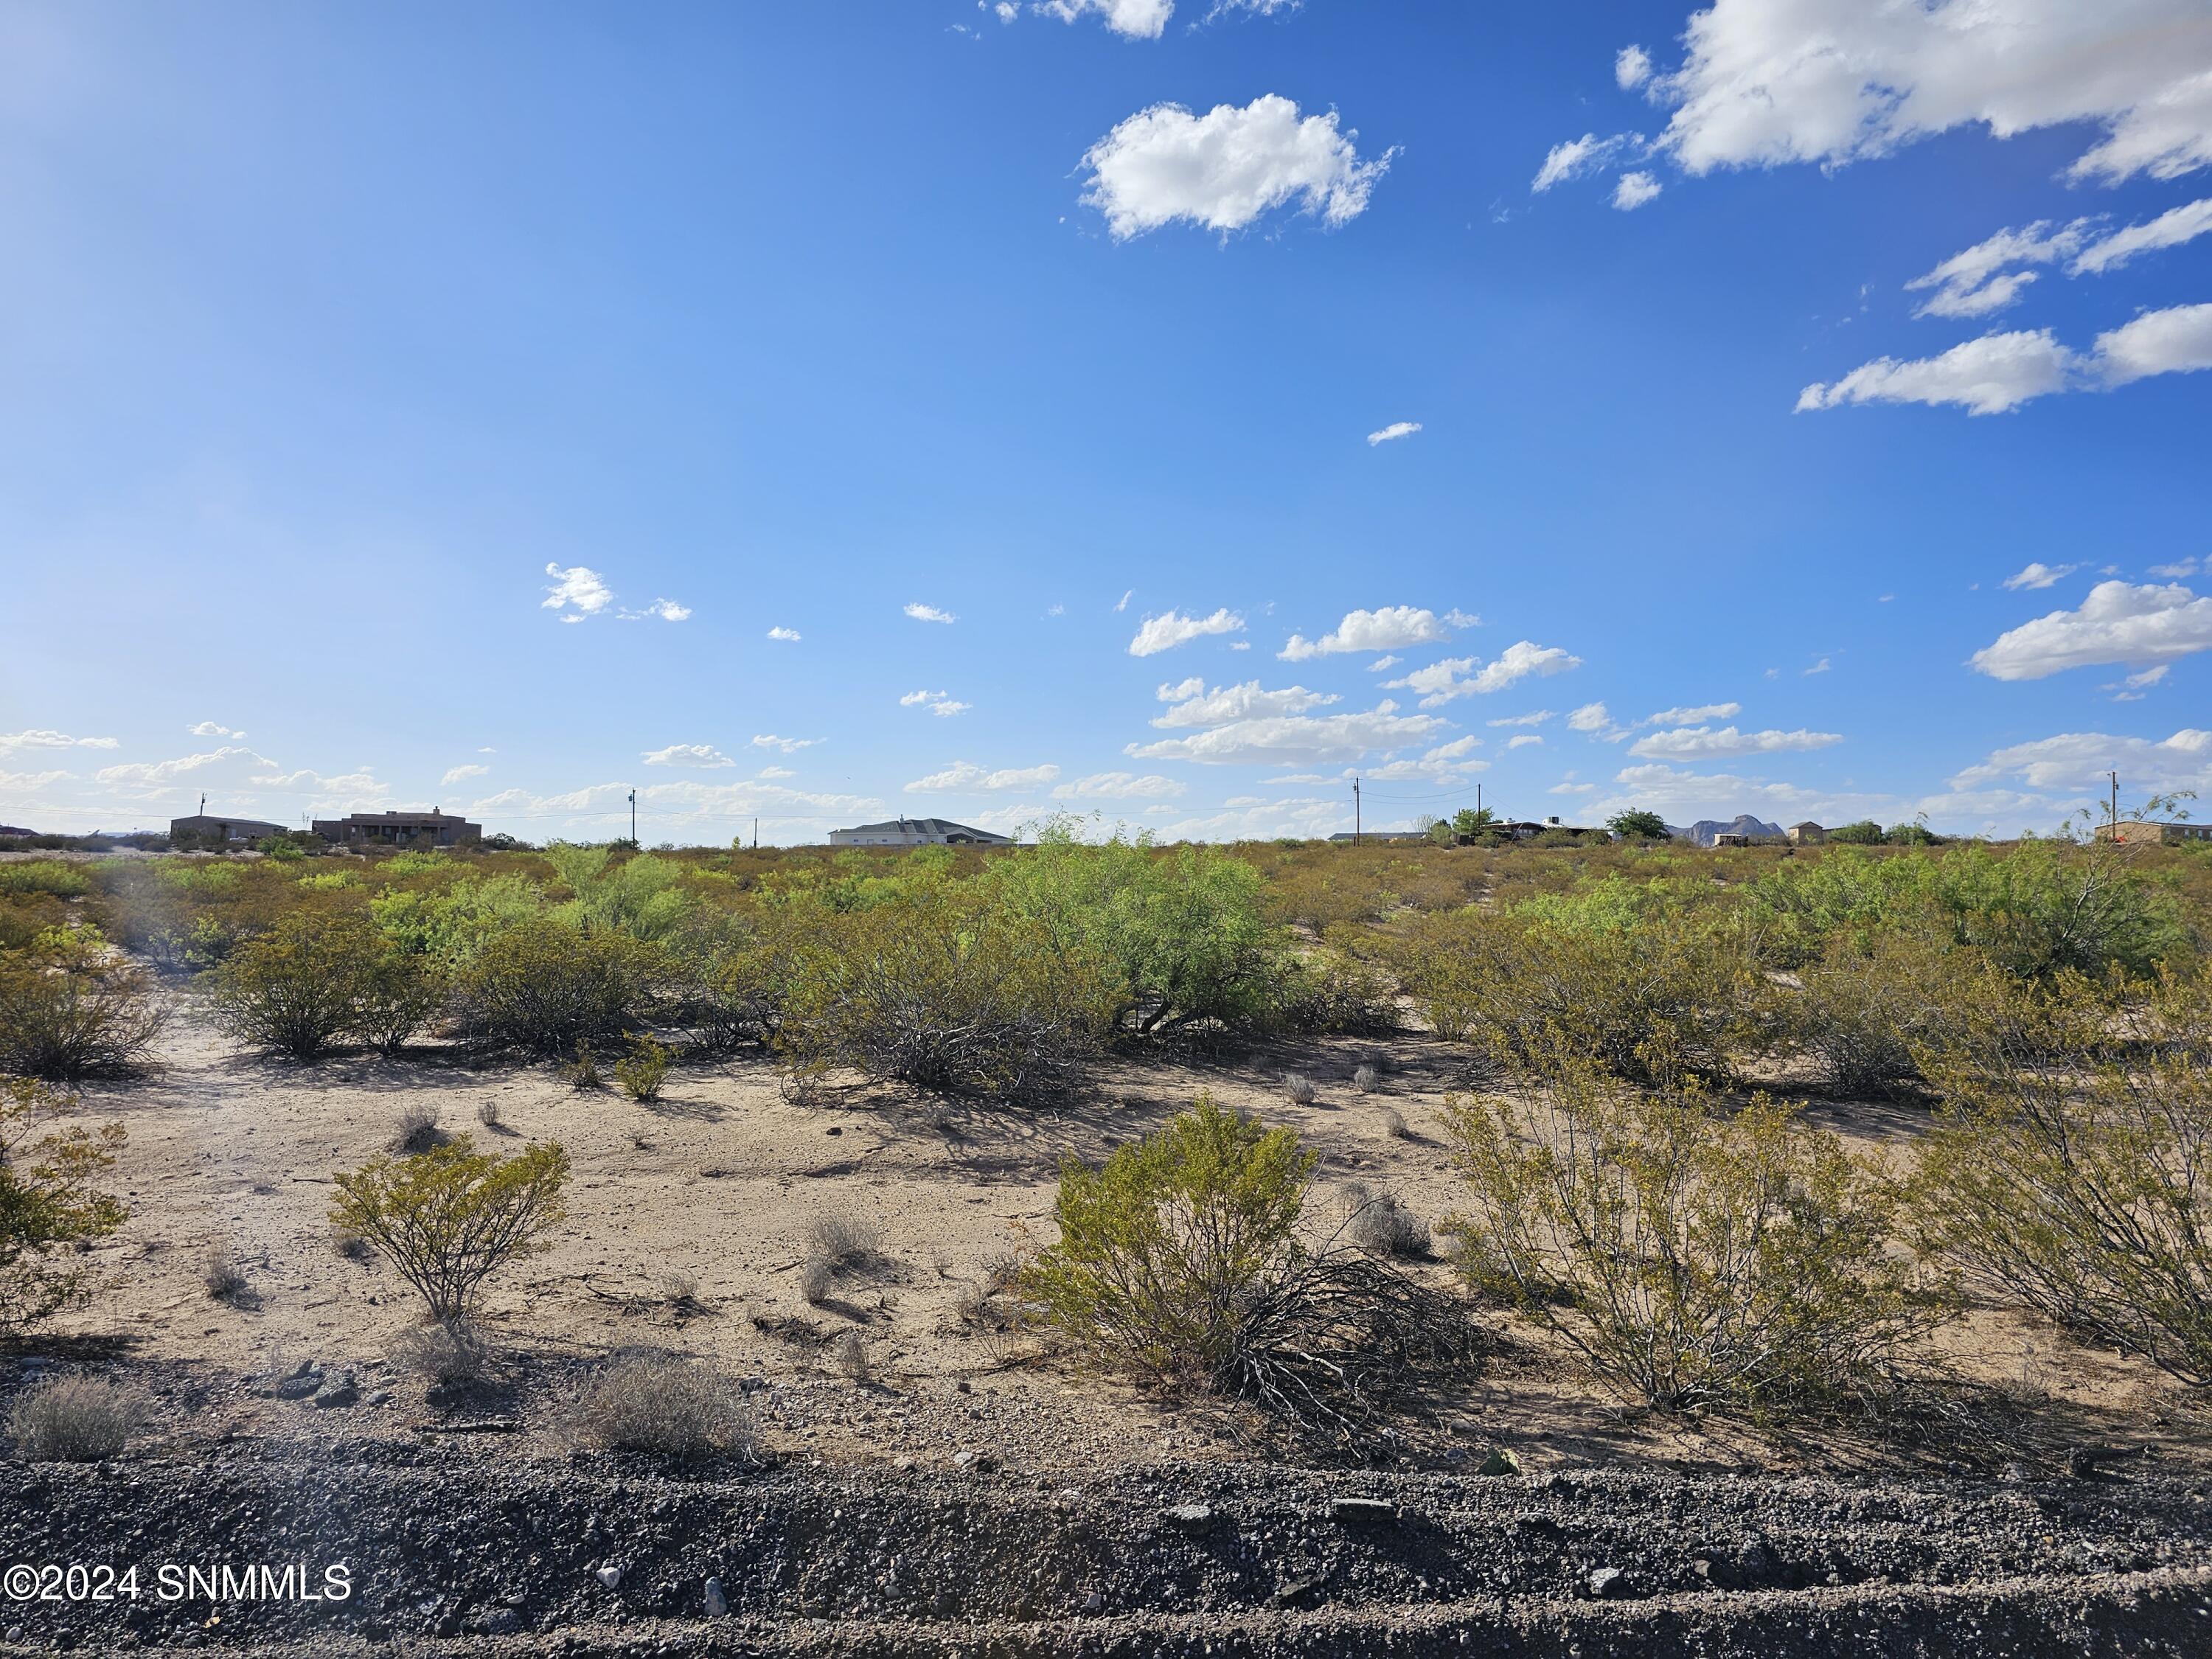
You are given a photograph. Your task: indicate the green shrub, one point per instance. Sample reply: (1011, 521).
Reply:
(642, 1071)
(1179, 1260)
(946, 993)
(544, 986)
(1869, 1002)
(1692, 1259)
(70, 1007)
(450, 1217)
(45, 876)
(298, 988)
(1328, 993)
(50, 1210)
(2071, 1167)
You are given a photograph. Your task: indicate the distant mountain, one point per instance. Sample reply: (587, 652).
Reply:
(1704, 829)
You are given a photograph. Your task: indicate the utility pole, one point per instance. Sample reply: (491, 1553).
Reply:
(756, 835)
(1355, 812)
(2115, 777)
(1478, 800)
(632, 817)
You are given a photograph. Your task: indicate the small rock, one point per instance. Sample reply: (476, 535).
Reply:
(1356, 1510)
(1500, 1462)
(979, 1463)
(609, 1575)
(1191, 1515)
(500, 1621)
(382, 1397)
(717, 1603)
(298, 1386)
(1608, 1583)
(341, 1390)
(1094, 1602)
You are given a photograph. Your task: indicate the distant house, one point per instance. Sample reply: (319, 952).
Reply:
(206, 826)
(1731, 838)
(13, 833)
(1347, 836)
(436, 827)
(917, 832)
(2148, 832)
(1807, 833)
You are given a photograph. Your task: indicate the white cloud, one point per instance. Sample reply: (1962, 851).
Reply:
(1164, 632)
(1225, 169)
(1296, 739)
(1590, 717)
(1987, 376)
(941, 703)
(204, 729)
(1694, 714)
(1632, 190)
(913, 697)
(776, 772)
(2039, 575)
(577, 591)
(965, 775)
(1706, 743)
(946, 707)
(2117, 622)
(1769, 82)
(1123, 604)
(1391, 433)
(687, 804)
(1389, 659)
(1820, 667)
(2169, 230)
(2188, 567)
(463, 774)
(1578, 156)
(1536, 719)
(1457, 677)
(1459, 749)
(788, 633)
(2175, 341)
(1631, 68)
(666, 610)
(1141, 20)
(167, 771)
(2079, 760)
(1526, 739)
(930, 613)
(1978, 281)
(1235, 702)
(1569, 786)
(785, 746)
(40, 739)
(1384, 629)
(29, 781)
(1119, 786)
(682, 754)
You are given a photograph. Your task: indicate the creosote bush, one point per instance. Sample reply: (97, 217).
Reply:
(50, 1208)
(314, 979)
(70, 1007)
(1694, 1257)
(644, 1069)
(1381, 1224)
(1178, 1259)
(450, 1217)
(2071, 1166)
(74, 1419)
(453, 1355)
(544, 985)
(661, 1403)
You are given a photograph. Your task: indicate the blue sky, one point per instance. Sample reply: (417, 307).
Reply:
(415, 405)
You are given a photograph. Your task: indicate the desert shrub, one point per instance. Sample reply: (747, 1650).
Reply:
(488, 1112)
(943, 991)
(1692, 1258)
(1650, 996)
(1300, 1090)
(296, 989)
(74, 1419)
(2070, 1167)
(1366, 1078)
(644, 1069)
(70, 1007)
(1869, 1001)
(731, 977)
(1330, 994)
(1178, 1259)
(659, 1403)
(851, 1354)
(582, 1071)
(843, 1240)
(544, 986)
(49, 1208)
(396, 993)
(450, 921)
(45, 876)
(415, 1129)
(450, 1217)
(817, 1278)
(1394, 1123)
(451, 1355)
(641, 896)
(1381, 1224)
(219, 1274)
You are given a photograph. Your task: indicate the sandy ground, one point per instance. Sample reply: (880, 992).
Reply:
(717, 1183)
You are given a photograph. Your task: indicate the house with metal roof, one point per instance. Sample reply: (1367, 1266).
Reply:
(917, 832)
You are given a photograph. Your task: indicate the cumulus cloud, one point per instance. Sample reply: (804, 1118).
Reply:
(683, 754)
(2079, 760)
(1706, 742)
(1577, 156)
(43, 739)
(1141, 20)
(2169, 230)
(1195, 706)
(1391, 627)
(1693, 715)
(2117, 622)
(1525, 740)
(1296, 739)
(1165, 632)
(1458, 676)
(686, 804)
(1632, 190)
(1981, 280)
(942, 703)
(2039, 575)
(1590, 717)
(1830, 82)
(784, 746)
(1631, 68)
(167, 771)
(577, 592)
(1391, 433)
(1119, 786)
(930, 613)
(788, 634)
(463, 774)
(204, 729)
(665, 610)
(1223, 169)
(966, 775)
(1535, 718)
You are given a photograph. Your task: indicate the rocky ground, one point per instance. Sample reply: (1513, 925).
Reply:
(452, 1546)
